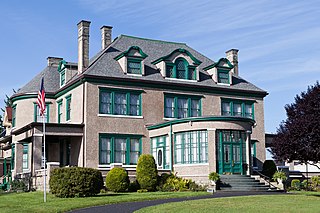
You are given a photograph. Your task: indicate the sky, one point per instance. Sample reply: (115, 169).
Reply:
(278, 40)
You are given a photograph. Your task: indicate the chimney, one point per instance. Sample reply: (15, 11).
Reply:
(106, 36)
(53, 61)
(83, 45)
(232, 56)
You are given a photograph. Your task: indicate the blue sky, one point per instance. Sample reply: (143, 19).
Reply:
(278, 39)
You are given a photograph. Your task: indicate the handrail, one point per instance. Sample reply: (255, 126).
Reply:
(266, 178)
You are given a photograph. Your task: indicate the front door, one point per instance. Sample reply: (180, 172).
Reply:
(230, 153)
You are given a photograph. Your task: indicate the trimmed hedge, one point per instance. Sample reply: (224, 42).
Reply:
(269, 168)
(117, 180)
(147, 173)
(75, 182)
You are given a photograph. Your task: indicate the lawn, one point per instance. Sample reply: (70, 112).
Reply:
(33, 201)
(302, 202)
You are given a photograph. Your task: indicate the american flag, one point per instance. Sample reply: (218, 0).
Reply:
(41, 99)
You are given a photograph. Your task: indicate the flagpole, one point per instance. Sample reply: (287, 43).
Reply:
(44, 160)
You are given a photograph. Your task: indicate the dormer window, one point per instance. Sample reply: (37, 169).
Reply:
(62, 72)
(132, 61)
(221, 71)
(179, 64)
(223, 76)
(62, 78)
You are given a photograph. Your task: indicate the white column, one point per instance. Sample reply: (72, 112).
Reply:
(248, 151)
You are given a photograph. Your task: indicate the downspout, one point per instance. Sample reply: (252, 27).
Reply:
(171, 150)
(84, 127)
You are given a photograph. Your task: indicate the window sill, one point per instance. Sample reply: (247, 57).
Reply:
(132, 74)
(179, 79)
(169, 119)
(121, 116)
(191, 164)
(223, 84)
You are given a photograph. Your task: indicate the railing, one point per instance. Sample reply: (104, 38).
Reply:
(266, 178)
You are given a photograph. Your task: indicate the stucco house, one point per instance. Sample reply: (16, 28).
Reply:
(137, 95)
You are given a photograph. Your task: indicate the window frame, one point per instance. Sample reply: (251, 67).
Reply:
(188, 68)
(134, 60)
(62, 77)
(162, 142)
(224, 71)
(68, 107)
(14, 115)
(176, 105)
(243, 104)
(113, 138)
(59, 111)
(36, 110)
(25, 152)
(128, 94)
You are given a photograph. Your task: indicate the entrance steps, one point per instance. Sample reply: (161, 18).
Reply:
(241, 183)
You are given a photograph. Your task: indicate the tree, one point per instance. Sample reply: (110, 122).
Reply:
(298, 137)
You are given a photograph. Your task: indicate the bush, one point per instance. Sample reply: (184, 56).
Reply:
(214, 176)
(133, 186)
(117, 180)
(279, 175)
(269, 168)
(295, 184)
(19, 185)
(173, 184)
(75, 182)
(304, 185)
(315, 183)
(147, 172)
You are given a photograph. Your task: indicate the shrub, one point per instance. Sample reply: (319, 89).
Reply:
(75, 182)
(147, 172)
(19, 185)
(117, 180)
(295, 184)
(315, 183)
(269, 168)
(304, 185)
(133, 186)
(279, 175)
(214, 176)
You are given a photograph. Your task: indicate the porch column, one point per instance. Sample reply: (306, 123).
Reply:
(18, 161)
(248, 151)
(37, 153)
(212, 158)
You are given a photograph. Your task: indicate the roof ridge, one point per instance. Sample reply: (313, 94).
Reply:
(148, 39)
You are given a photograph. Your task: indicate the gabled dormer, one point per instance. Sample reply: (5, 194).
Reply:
(66, 70)
(221, 71)
(132, 61)
(179, 64)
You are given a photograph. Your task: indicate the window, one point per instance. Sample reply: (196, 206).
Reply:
(181, 70)
(68, 107)
(182, 106)
(134, 66)
(191, 147)
(14, 111)
(161, 144)
(119, 149)
(25, 156)
(120, 102)
(59, 110)
(239, 108)
(223, 76)
(38, 117)
(62, 78)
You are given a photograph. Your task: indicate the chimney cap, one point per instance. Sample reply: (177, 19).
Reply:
(84, 22)
(232, 50)
(106, 26)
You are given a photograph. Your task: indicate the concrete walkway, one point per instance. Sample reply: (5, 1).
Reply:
(133, 206)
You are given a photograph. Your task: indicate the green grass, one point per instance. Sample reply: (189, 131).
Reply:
(307, 202)
(33, 201)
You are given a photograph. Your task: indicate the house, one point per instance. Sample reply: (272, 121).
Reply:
(137, 95)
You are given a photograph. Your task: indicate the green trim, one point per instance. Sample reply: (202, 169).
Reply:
(175, 98)
(22, 97)
(59, 105)
(68, 110)
(35, 109)
(126, 53)
(62, 78)
(112, 138)
(224, 72)
(200, 119)
(62, 63)
(164, 144)
(25, 152)
(230, 66)
(14, 115)
(180, 50)
(147, 39)
(243, 104)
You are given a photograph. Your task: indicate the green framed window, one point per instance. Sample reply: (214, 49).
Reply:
(38, 117)
(124, 149)
(177, 106)
(160, 150)
(62, 78)
(14, 114)
(13, 154)
(25, 156)
(181, 69)
(68, 107)
(134, 66)
(59, 106)
(191, 147)
(120, 102)
(239, 108)
(223, 76)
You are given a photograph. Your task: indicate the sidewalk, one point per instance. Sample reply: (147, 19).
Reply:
(133, 206)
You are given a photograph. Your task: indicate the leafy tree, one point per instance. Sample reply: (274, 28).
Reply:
(298, 137)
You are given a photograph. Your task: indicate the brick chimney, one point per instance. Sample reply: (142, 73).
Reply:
(83, 45)
(106, 36)
(53, 61)
(232, 56)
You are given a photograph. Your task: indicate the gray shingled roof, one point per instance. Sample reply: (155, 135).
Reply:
(51, 81)
(103, 64)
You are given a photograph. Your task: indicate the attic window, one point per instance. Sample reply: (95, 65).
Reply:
(181, 70)
(223, 76)
(62, 78)
(134, 66)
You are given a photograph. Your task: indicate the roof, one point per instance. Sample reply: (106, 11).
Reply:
(103, 64)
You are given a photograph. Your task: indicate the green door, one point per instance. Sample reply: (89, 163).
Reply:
(230, 153)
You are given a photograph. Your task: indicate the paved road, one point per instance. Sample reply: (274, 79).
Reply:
(133, 206)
